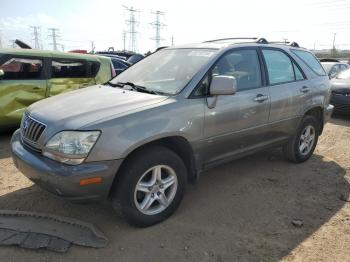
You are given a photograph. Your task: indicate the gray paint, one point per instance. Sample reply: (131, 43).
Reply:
(237, 125)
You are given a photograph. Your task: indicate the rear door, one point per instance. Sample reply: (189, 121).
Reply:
(289, 92)
(237, 123)
(70, 74)
(24, 83)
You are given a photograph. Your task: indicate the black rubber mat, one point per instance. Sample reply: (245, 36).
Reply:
(37, 230)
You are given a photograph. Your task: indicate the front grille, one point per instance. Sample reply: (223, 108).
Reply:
(31, 129)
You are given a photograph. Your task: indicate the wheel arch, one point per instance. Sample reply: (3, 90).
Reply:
(177, 144)
(318, 113)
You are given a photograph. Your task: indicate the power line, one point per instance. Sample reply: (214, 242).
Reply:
(54, 35)
(157, 25)
(36, 36)
(132, 23)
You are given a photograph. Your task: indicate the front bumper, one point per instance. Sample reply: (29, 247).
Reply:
(341, 103)
(328, 113)
(61, 179)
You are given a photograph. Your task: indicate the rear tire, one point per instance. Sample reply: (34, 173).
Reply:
(150, 186)
(302, 145)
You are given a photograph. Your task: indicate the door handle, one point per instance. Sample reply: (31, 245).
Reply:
(305, 89)
(260, 98)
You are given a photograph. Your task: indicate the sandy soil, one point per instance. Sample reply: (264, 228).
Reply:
(242, 211)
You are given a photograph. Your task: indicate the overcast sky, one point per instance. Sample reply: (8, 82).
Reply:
(308, 22)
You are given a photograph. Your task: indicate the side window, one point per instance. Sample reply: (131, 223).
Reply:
(335, 69)
(310, 60)
(279, 66)
(17, 68)
(68, 68)
(118, 65)
(243, 65)
(298, 74)
(92, 69)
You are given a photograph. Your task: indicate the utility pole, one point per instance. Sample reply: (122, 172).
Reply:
(0, 39)
(92, 47)
(36, 36)
(13, 43)
(132, 23)
(157, 25)
(172, 40)
(54, 35)
(335, 34)
(124, 40)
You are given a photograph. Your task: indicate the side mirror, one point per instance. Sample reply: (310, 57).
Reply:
(223, 85)
(2, 73)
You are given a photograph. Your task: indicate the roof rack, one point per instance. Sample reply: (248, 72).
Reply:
(231, 38)
(256, 40)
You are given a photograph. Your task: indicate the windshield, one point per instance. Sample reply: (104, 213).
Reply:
(167, 71)
(344, 75)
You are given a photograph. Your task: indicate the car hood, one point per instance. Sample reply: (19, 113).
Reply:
(79, 108)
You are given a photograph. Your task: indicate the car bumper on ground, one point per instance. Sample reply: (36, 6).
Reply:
(64, 180)
(341, 103)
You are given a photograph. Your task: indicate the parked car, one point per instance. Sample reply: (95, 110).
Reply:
(158, 125)
(119, 63)
(135, 58)
(341, 92)
(334, 68)
(29, 75)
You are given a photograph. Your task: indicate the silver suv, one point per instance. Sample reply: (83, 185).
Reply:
(142, 136)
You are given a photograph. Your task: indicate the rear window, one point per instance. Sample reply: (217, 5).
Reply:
(74, 68)
(311, 61)
(17, 68)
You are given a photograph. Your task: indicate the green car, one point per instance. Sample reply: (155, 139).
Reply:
(28, 75)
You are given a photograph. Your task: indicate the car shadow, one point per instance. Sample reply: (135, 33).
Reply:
(241, 211)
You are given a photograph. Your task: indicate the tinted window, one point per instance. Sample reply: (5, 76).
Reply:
(118, 65)
(298, 74)
(68, 69)
(279, 66)
(243, 65)
(22, 68)
(92, 68)
(310, 60)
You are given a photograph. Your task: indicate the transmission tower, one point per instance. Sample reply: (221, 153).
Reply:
(36, 36)
(157, 25)
(132, 23)
(54, 35)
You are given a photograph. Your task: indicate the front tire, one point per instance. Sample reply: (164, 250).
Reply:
(151, 186)
(302, 145)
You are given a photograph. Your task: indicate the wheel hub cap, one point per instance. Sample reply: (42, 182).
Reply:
(307, 140)
(155, 190)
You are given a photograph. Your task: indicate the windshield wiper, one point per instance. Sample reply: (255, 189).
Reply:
(137, 87)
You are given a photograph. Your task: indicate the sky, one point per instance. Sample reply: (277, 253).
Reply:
(311, 23)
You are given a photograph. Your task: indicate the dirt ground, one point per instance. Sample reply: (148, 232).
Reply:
(242, 211)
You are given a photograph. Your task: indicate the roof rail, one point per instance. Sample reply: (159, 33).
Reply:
(262, 41)
(231, 38)
(256, 40)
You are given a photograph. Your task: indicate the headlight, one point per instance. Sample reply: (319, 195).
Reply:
(71, 147)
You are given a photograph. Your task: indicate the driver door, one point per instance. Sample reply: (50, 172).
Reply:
(237, 123)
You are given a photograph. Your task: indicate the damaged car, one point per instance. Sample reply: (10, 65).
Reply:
(27, 76)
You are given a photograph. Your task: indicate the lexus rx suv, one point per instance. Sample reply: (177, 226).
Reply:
(141, 137)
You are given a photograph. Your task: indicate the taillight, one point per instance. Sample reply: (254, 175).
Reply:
(113, 71)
